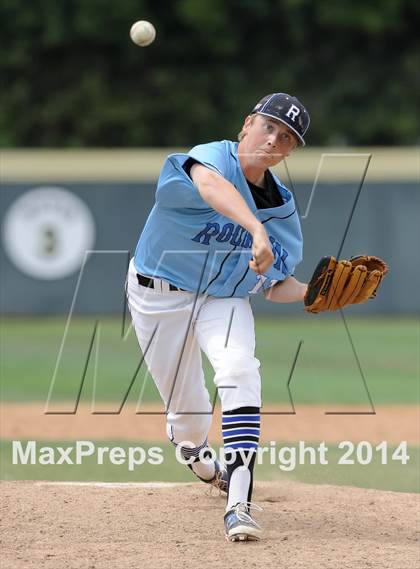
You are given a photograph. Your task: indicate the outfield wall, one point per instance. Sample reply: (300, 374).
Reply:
(57, 204)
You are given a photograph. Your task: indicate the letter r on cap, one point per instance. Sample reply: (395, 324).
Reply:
(293, 112)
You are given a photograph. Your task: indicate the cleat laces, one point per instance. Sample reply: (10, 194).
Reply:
(242, 510)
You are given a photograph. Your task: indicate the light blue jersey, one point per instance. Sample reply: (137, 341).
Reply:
(188, 244)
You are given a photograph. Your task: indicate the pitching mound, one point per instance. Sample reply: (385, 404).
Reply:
(101, 526)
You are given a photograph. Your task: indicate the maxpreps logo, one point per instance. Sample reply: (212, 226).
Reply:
(237, 236)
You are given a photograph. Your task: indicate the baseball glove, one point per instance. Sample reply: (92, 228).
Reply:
(335, 284)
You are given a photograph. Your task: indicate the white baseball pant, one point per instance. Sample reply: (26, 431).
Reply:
(172, 328)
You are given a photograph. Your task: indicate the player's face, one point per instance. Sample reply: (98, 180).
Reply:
(266, 141)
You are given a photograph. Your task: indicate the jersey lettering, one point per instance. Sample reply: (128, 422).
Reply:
(280, 256)
(225, 234)
(239, 237)
(211, 230)
(247, 242)
(235, 234)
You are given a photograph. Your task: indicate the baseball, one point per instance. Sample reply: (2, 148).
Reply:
(142, 33)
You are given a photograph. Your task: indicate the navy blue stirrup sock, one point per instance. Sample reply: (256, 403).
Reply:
(241, 434)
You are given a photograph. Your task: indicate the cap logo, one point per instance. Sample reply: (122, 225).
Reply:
(293, 112)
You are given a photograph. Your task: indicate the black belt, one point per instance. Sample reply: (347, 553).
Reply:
(149, 283)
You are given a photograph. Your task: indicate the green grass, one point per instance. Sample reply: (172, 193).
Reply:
(392, 476)
(326, 370)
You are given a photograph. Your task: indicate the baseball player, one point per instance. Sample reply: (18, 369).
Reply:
(223, 227)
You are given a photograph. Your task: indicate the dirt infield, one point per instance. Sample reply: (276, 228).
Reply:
(57, 526)
(104, 526)
(310, 423)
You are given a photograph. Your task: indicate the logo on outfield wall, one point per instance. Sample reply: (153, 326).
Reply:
(46, 232)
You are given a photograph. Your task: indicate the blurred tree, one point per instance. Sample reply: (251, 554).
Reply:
(71, 76)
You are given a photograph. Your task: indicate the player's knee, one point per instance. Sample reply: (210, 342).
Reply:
(238, 381)
(235, 365)
(192, 428)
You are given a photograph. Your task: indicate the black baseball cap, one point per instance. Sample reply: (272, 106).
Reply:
(286, 109)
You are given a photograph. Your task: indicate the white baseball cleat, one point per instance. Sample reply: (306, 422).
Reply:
(239, 525)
